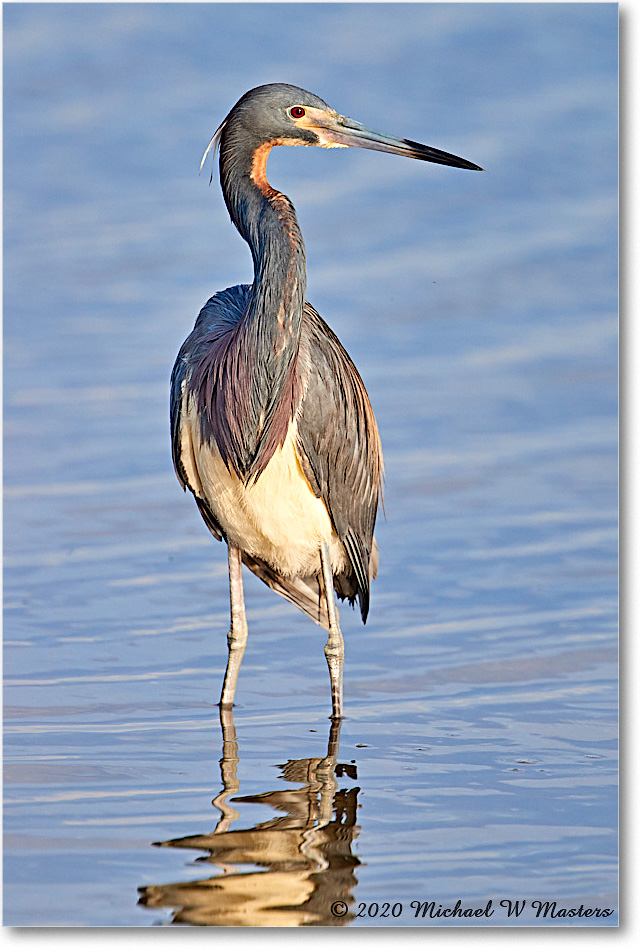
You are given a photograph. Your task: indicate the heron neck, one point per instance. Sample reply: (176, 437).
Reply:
(266, 219)
(265, 386)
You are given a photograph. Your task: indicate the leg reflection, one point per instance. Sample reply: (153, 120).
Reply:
(286, 871)
(229, 765)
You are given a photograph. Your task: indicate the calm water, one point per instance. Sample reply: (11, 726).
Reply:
(478, 759)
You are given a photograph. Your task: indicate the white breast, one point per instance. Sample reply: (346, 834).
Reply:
(276, 518)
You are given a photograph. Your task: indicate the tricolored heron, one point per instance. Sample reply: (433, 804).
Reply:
(272, 428)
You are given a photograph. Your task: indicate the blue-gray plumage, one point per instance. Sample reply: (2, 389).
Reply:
(272, 428)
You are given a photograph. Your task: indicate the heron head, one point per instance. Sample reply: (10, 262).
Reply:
(281, 114)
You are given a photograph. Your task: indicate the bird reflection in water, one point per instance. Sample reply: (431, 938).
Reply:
(302, 862)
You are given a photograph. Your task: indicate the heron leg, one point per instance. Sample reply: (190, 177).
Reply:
(334, 647)
(237, 636)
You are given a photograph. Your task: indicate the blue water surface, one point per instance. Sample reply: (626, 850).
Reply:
(477, 761)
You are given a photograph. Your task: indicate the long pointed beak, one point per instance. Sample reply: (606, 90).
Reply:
(340, 131)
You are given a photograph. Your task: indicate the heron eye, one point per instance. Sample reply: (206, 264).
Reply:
(297, 112)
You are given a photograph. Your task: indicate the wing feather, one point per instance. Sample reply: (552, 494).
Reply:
(341, 453)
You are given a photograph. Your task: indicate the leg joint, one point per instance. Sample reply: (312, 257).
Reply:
(333, 650)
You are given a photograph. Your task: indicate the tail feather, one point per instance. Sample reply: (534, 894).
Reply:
(303, 592)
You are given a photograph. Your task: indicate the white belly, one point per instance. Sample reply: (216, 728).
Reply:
(276, 518)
